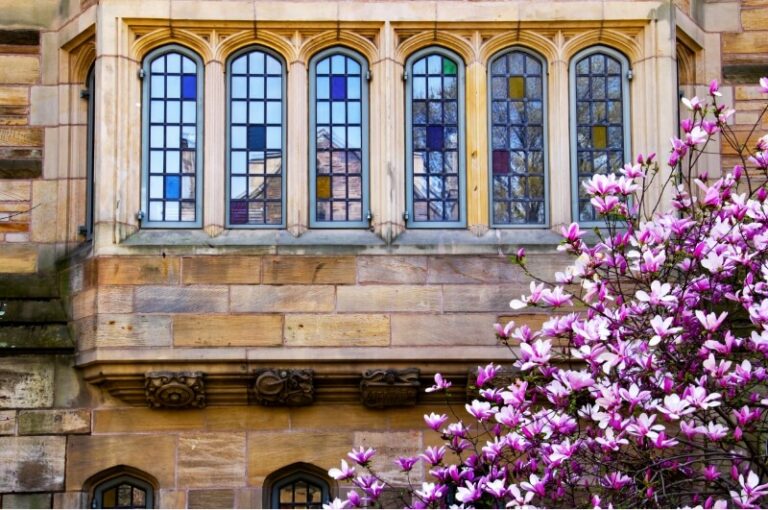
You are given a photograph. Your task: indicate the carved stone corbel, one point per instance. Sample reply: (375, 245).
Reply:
(284, 387)
(382, 388)
(175, 390)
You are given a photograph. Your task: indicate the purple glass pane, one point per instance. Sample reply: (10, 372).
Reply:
(189, 86)
(338, 88)
(238, 212)
(435, 138)
(257, 138)
(500, 162)
(172, 187)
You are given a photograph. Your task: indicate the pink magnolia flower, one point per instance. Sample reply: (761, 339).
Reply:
(660, 294)
(763, 84)
(345, 473)
(440, 384)
(504, 331)
(693, 103)
(711, 321)
(535, 354)
(469, 493)
(534, 485)
(361, 455)
(487, 373)
(435, 421)
(335, 504)
(482, 411)
(675, 407)
(406, 463)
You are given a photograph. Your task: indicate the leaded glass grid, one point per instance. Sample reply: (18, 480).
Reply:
(518, 160)
(435, 133)
(172, 138)
(256, 137)
(123, 492)
(339, 181)
(300, 493)
(600, 105)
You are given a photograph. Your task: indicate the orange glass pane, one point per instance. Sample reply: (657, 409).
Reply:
(516, 87)
(323, 186)
(599, 137)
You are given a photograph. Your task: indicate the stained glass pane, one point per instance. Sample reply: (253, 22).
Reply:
(435, 128)
(255, 140)
(517, 133)
(338, 87)
(599, 124)
(173, 129)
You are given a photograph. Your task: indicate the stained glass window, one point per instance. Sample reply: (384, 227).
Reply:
(518, 157)
(435, 138)
(339, 133)
(173, 125)
(123, 492)
(299, 491)
(256, 138)
(599, 89)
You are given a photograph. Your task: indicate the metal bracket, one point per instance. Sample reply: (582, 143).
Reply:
(630, 74)
(406, 216)
(405, 75)
(140, 215)
(140, 74)
(369, 216)
(85, 94)
(368, 75)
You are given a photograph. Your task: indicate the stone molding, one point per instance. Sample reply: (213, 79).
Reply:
(175, 390)
(382, 388)
(284, 387)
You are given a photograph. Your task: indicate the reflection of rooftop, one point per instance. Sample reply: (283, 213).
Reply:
(422, 190)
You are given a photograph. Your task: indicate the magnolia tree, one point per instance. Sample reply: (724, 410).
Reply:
(647, 387)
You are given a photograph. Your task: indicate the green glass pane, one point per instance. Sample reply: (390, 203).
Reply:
(599, 137)
(516, 87)
(449, 67)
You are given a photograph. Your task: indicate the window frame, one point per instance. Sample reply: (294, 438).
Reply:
(545, 136)
(90, 89)
(145, 143)
(101, 487)
(227, 137)
(626, 69)
(293, 477)
(364, 149)
(462, 141)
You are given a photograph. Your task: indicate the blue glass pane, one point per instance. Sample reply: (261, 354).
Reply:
(435, 137)
(189, 86)
(338, 88)
(172, 187)
(257, 138)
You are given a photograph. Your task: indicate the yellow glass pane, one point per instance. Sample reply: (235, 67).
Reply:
(324, 186)
(516, 87)
(599, 137)
(109, 499)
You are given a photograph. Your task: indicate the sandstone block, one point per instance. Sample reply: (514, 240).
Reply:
(42, 500)
(32, 464)
(19, 69)
(25, 383)
(744, 42)
(138, 270)
(140, 419)
(211, 460)
(480, 298)
(297, 269)
(336, 330)
(172, 499)
(281, 298)
(212, 498)
(88, 455)
(221, 269)
(245, 418)
(754, 19)
(269, 451)
(20, 136)
(381, 269)
(130, 330)
(57, 421)
(114, 299)
(84, 304)
(15, 190)
(163, 299)
(389, 446)
(448, 329)
(384, 298)
(75, 499)
(227, 330)
(463, 269)
(44, 212)
(338, 417)
(7, 423)
(14, 96)
(18, 259)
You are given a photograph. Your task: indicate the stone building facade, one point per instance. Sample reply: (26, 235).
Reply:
(203, 334)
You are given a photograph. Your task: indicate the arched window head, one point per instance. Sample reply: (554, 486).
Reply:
(122, 487)
(338, 139)
(434, 138)
(599, 121)
(256, 139)
(297, 486)
(518, 156)
(172, 138)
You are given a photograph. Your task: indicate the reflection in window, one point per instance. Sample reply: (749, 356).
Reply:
(517, 139)
(123, 492)
(599, 89)
(172, 129)
(300, 491)
(434, 136)
(256, 156)
(339, 169)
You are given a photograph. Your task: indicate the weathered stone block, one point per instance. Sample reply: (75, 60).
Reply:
(84, 304)
(15, 190)
(207, 460)
(138, 270)
(32, 464)
(57, 421)
(88, 455)
(19, 69)
(388, 298)
(212, 498)
(386, 269)
(462, 269)
(480, 298)
(172, 499)
(754, 19)
(448, 329)
(159, 299)
(7, 423)
(20, 136)
(336, 330)
(42, 500)
(129, 330)
(338, 417)
(221, 269)
(281, 298)
(14, 96)
(246, 418)
(296, 269)
(25, 383)
(227, 330)
(20, 168)
(140, 419)
(744, 42)
(114, 299)
(389, 446)
(75, 499)
(18, 259)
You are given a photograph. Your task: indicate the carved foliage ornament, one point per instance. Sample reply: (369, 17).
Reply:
(390, 388)
(284, 387)
(175, 390)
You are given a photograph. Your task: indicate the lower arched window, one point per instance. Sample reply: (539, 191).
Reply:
(123, 492)
(297, 486)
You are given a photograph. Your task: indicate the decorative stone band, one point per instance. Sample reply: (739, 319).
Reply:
(175, 390)
(284, 387)
(382, 388)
